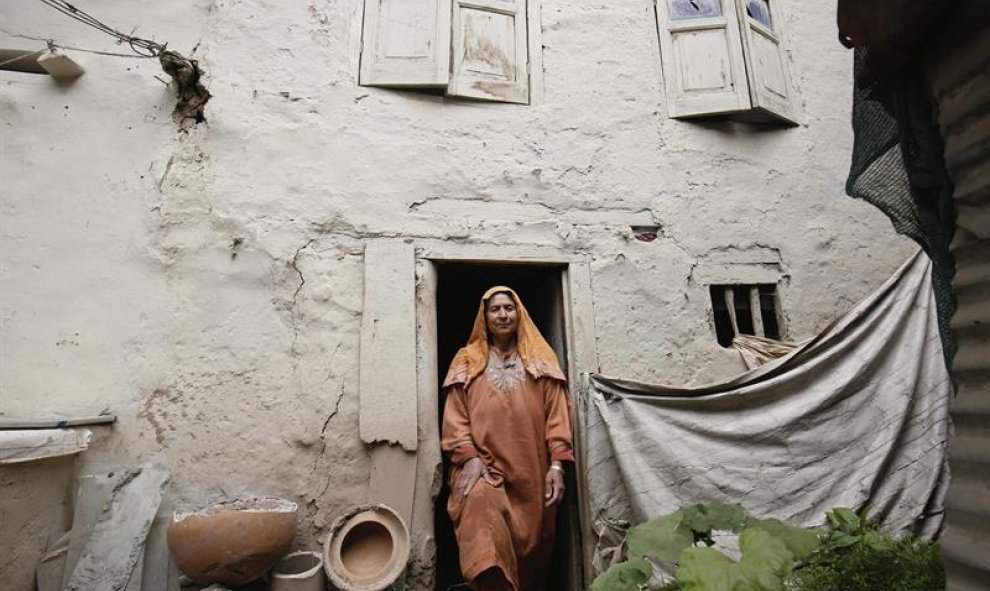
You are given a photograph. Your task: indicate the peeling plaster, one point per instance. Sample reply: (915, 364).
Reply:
(215, 277)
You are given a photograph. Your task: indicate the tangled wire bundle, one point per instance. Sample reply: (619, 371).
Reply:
(185, 72)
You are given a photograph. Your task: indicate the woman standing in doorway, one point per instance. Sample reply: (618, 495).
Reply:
(506, 430)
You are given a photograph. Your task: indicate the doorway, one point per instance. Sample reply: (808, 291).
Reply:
(460, 286)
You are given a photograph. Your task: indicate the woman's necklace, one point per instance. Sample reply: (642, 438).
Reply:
(505, 372)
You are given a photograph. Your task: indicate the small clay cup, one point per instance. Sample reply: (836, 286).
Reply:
(299, 571)
(234, 542)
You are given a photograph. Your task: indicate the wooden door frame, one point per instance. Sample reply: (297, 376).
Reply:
(582, 357)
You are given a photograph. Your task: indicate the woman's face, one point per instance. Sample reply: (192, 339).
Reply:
(501, 316)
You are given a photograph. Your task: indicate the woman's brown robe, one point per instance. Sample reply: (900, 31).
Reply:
(516, 433)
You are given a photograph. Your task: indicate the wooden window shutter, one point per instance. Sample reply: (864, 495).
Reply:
(769, 81)
(490, 52)
(704, 70)
(405, 43)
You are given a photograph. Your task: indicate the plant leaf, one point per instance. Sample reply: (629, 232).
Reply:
(800, 542)
(844, 540)
(864, 515)
(662, 539)
(875, 540)
(844, 519)
(765, 560)
(707, 569)
(764, 564)
(624, 576)
(704, 517)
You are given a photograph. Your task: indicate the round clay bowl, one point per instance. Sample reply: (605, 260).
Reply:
(367, 550)
(232, 543)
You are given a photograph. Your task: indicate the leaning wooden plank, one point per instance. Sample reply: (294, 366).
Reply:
(117, 540)
(157, 561)
(51, 567)
(92, 493)
(136, 576)
(173, 576)
(387, 379)
(393, 479)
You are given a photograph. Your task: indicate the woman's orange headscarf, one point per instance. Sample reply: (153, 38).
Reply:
(537, 356)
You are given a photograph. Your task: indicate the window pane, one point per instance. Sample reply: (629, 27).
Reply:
(680, 10)
(759, 11)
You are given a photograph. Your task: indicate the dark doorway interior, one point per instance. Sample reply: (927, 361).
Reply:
(459, 290)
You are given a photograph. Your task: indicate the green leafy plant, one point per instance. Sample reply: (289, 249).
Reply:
(630, 574)
(683, 539)
(856, 556)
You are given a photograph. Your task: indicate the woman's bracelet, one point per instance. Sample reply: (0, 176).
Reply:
(556, 466)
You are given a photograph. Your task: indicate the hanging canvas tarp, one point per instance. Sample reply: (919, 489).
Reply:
(855, 417)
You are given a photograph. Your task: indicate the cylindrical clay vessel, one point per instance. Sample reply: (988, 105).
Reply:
(299, 571)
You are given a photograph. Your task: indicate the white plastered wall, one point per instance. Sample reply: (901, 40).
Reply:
(207, 286)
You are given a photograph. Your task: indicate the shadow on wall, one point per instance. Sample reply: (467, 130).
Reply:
(34, 505)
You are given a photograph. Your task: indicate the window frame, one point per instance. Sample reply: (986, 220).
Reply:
(754, 88)
(436, 87)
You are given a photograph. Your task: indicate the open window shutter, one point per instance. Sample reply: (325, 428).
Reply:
(405, 43)
(491, 57)
(703, 68)
(769, 81)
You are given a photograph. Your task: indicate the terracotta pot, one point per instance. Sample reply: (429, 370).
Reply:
(299, 571)
(232, 543)
(367, 550)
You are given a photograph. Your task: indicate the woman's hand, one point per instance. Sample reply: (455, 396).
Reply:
(554, 484)
(473, 470)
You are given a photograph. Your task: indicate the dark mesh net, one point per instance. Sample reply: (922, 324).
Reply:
(897, 165)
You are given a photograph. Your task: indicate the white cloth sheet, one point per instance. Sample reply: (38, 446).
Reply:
(28, 445)
(857, 416)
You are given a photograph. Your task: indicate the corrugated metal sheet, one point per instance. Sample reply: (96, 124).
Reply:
(966, 542)
(961, 84)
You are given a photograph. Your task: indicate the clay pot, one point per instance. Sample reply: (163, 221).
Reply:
(367, 550)
(299, 571)
(232, 543)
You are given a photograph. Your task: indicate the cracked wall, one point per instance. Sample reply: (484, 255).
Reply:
(207, 286)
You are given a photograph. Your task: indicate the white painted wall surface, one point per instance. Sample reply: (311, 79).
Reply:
(207, 286)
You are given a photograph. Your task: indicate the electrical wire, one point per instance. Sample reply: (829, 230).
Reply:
(98, 52)
(52, 44)
(141, 47)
